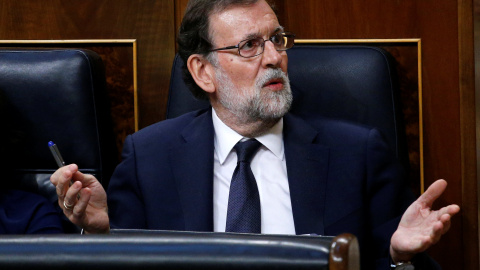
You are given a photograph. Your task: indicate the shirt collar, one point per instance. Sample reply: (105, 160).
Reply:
(225, 138)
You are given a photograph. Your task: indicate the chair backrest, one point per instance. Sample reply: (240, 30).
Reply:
(54, 95)
(351, 83)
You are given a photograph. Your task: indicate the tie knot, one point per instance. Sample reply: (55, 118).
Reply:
(246, 150)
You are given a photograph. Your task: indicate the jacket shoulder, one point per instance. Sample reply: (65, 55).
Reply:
(168, 129)
(333, 132)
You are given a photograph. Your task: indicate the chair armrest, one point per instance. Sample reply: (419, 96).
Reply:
(344, 253)
(165, 250)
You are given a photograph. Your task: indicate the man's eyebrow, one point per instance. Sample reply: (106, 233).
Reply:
(277, 30)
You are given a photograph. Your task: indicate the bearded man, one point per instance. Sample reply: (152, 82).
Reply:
(292, 176)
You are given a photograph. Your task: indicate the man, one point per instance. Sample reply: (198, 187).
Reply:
(323, 177)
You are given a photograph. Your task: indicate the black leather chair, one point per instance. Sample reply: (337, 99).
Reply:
(352, 83)
(54, 95)
(132, 249)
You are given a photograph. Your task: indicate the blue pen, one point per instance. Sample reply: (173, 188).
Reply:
(56, 154)
(58, 158)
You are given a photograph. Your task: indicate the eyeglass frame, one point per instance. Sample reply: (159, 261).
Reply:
(284, 34)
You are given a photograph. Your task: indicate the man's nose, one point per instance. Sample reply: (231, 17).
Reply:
(271, 57)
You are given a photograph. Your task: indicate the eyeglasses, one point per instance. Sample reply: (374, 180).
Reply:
(252, 47)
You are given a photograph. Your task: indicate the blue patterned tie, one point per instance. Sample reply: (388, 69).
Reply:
(243, 214)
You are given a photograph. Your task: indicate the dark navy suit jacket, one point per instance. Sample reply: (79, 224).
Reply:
(23, 212)
(342, 178)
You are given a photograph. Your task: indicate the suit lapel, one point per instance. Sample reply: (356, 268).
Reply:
(307, 164)
(306, 168)
(192, 163)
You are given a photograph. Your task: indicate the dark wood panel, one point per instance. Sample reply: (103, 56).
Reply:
(180, 6)
(445, 123)
(468, 136)
(438, 28)
(150, 22)
(407, 61)
(349, 19)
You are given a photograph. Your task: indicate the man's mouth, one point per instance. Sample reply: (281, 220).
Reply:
(274, 84)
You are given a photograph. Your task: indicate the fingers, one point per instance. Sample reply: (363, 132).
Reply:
(70, 198)
(82, 203)
(421, 227)
(440, 227)
(433, 192)
(62, 177)
(446, 216)
(67, 193)
(450, 210)
(84, 199)
(85, 179)
(435, 235)
(446, 223)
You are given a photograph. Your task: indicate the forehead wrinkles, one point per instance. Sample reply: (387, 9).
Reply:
(237, 23)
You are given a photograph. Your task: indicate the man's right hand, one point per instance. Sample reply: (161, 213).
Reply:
(84, 202)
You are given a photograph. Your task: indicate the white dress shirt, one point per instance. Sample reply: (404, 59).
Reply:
(270, 170)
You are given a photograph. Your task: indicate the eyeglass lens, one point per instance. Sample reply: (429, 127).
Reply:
(255, 46)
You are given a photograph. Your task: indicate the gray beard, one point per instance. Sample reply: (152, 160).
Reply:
(259, 106)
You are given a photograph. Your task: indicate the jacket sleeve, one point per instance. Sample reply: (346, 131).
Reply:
(125, 200)
(389, 196)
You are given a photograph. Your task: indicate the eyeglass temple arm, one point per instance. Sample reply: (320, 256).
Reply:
(225, 48)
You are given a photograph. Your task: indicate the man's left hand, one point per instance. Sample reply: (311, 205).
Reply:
(420, 226)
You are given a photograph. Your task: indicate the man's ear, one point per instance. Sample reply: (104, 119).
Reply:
(202, 72)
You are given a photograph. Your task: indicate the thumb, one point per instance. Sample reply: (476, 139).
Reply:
(434, 191)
